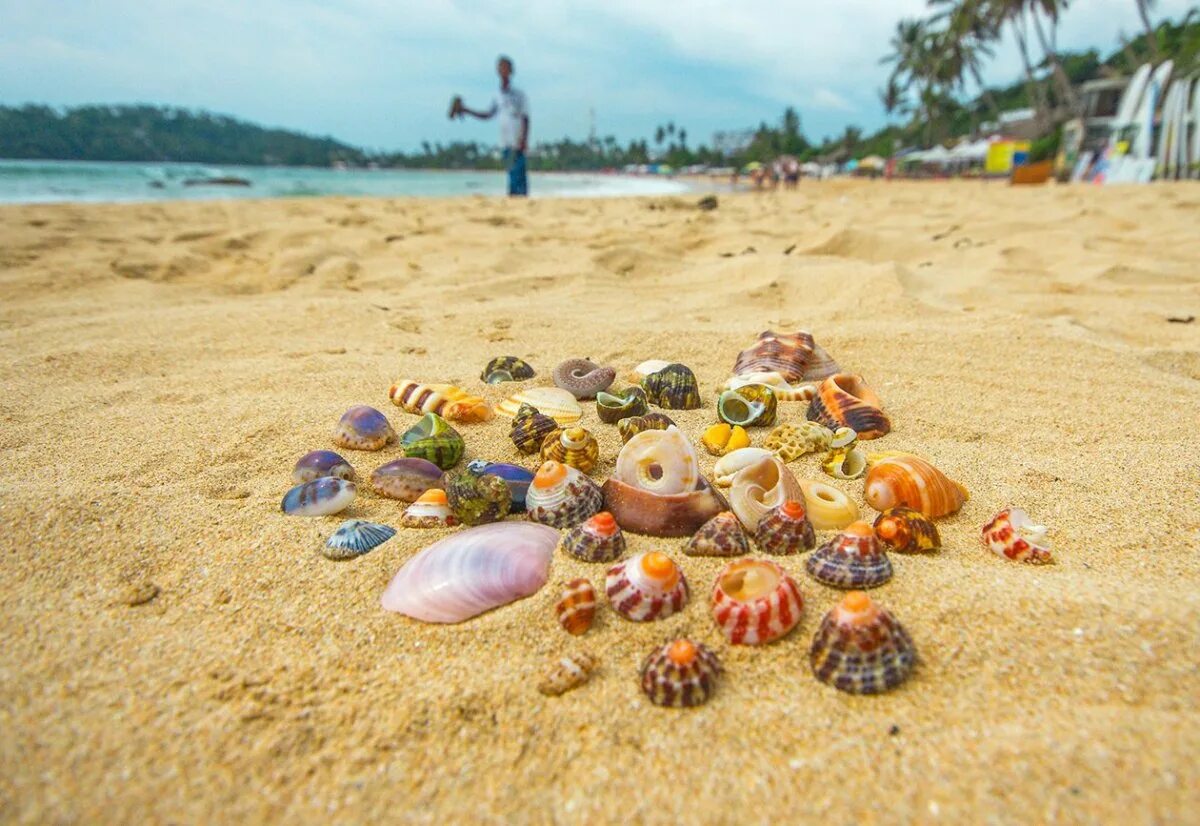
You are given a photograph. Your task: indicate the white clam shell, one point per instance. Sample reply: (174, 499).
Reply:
(554, 402)
(760, 487)
(659, 461)
(735, 460)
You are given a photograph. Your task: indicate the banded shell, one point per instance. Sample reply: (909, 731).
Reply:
(753, 405)
(791, 441)
(673, 388)
(446, 400)
(760, 487)
(577, 607)
(733, 461)
(829, 509)
(720, 536)
(860, 648)
(561, 496)
(907, 531)
(574, 446)
(915, 483)
(680, 674)
(477, 498)
(320, 497)
(720, 439)
(355, 537)
(612, 407)
(646, 587)
(852, 559)
(363, 428)
(628, 428)
(530, 428)
(318, 463)
(517, 478)
(431, 510)
(795, 356)
(844, 400)
(568, 673)
(506, 368)
(599, 539)
(406, 479)
(434, 440)
(473, 571)
(1013, 535)
(785, 530)
(582, 378)
(646, 368)
(755, 602)
(784, 391)
(554, 402)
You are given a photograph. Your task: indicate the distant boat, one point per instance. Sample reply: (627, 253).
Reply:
(226, 180)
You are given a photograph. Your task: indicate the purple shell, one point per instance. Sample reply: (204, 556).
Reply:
(406, 479)
(318, 463)
(363, 428)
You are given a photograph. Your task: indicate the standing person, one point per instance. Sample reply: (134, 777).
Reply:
(513, 108)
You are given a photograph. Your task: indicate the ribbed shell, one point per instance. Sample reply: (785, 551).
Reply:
(720, 536)
(318, 463)
(632, 426)
(844, 400)
(478, 498)
(567, 673)
(599, 539)
(613, 407)
(566, 503)
(320, 497)
(406, 479)
(907, 531)
(675, 685)
(446, 400)
(915, 483)
(753, 405)
(795, 356)
(554, 402)
(530, 428)
(864, 652)
(852, 559)
(355, 537)
(673, 388)
(582, 378)
(506, 368)
(763, 617)
(781, 533)
(363, 428)
(637, 597)
(577, 607)
(574, 446)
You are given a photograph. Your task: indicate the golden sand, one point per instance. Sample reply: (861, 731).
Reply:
(175, 650)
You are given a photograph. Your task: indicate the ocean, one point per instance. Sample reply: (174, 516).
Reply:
(101, 181)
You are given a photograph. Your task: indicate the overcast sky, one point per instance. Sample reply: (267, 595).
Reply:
(380, 73)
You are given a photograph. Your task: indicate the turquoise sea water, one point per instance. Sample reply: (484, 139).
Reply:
(50, 181)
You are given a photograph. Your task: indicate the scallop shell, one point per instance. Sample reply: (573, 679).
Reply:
(795, 356)
(446, 400)
(530, 428)
(320, 497)
(829, 509)
(733, 461)
(673, 388)
(599, 539)
(473, 571)
(791, 441)
(907, 531)
(755, 602)
(646, 368)
(477, 498)
(1013, 535)
(680, 674)
(355, 537)
(506, 368)
(784, 391)
(561, 496)
(433, 439)
(852, 559)
(785, 530)
(431, 510)
(915, 483)
(554, 402)
(577, 608)
(628, 428)
(517, 478)
(646, 587)
(363, 428)
(720, 536)
(568, 673)
(860, 648)
(582, 378)
(720, 439)
(612, 407)
(751, 406)
(318, 463)
(574, 446)
(844, 400)
(758, 488)
(406, 479)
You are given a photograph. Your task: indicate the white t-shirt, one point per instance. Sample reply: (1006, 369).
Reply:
(512, 105)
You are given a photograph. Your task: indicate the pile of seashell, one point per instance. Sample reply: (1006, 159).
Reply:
(514, 518)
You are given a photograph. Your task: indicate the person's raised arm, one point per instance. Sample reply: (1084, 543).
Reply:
(480, 114)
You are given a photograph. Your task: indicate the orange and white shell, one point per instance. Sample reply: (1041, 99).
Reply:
(845, 400)
(1013, 535)
(915, 483)
(761, 487)
(430, 510)
(754, 601)
(577, 608)
(446, 400)
(567, 673)
(646, 587)
(659, 461)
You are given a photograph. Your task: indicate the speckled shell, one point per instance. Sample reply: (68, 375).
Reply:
(795, 356)
(755, 602)
(476, 498)
(720, 536)
(431, 510)
(434, 440)
(363, 428)
(860, 648)
(355, 537)
(784, 391)
(320, 497)
(753, 405)
(785, 530)
(676, 682)
(582, 378)
(506, 368)
(567, 673)
(318, 463)
(1012, 535)
(852, 559)
(791, 441)
(577, 607)
(828, 508)
(530, 428)
(406, 479)
(646, 587)
(446, 400)
(554, 402)
(612, 407)
(628, 428)
(844, 400)
(915, 483)
(599, 539)
(673, 388)
(906, 530)
(759, 488)
(574, 446)
(561, 496)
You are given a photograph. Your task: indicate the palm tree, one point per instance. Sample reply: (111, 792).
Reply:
(892, 97)
(916, 62)
(965, 41)
(659, 135)
(683, 138)
(1053, 9)
(1144, 7)
(1013, 13)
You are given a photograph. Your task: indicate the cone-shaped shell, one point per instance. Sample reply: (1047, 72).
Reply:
(646, 587)
(844, 400)
(907, 531)
(554, 402)
(561, 496)
(753, 405)
(785, 530)
(673, 388)
(506, 368)
(530, 429)
(791, 441)
(477, 498)
(720, 536)
(852, 559)
(577, 607)
(759, 487)
(1013, 535)
(795, 356)
(599, 539)
(612, 407)
(431, 510)
(446, 400)
(433, 439)
(755, 601)
(680, 674)
(915, 483)
(355, 537)
(628, 428)
(860, 648)
(319, 463)
(363, 428)
(320, 497)
(828, 508)
(582, 378)
(568, 673)
(574, 446)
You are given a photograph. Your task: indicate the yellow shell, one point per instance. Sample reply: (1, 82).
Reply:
(829, 509)
(574, 446)
(721, 438)
(791, 441)
(554, 402)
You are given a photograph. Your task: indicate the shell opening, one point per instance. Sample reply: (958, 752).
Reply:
(749, 581)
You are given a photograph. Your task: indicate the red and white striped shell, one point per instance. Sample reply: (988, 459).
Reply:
(754, 601)
(1012, 535)
(914, 483)
(646, 587)
(577, 608)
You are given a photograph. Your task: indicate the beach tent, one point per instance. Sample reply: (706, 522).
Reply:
(937, 154)
(871, 162)
(970, 151)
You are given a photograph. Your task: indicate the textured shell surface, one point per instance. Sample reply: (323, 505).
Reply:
(516, 477)
(755, 602)
(567, 673)
(915, 483)
(680, 674)
(676, 515)
(785, 530)
(753, 405)
(852, 559)
(577, 608)
(828, 508)
(791, 441)
(860, 648)
(473, 571)
(845, 400)
(659, 461)
(562, 496)
(530, 428)
(646, 368)
(794, 356)
(446, 400)
(907, 531)
(1013, 535)
(574, 446)
(320, 497)
(355, 537)
(506, 368)
(318, 463)
(582, 378)
(433, 439)
(673, 388)
(612, 407)
(646, 587)
(733, 461)
(554, 402)
(431, 510)
(784, 391)
(630, 427)
(720, 536)
(406, 479)
(363, 428)
(477, 498)
(598, 539)
(759, 487)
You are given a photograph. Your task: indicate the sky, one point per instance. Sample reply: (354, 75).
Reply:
(380, 73)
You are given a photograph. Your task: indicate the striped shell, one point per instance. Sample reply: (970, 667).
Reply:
(758, 488)
(433, 439)
(907, 531)
(431, 510)
(791, 441)
(574, 446)
(320, 497)
(530, 428)
(599, 539)
(785, 530)
(755, 602)
(363, 428)
(915, 483)
(446, 400)
(852, 559)
(318, 463)
(1012, 535)
(649, 586)
(406, 479)
(477, 498)
(577, 607)
(628, 428)
(720, 439)
(753, 405)
(844, 400)
(829, 509)
(795, 356)
(860, 648)
(784, 391)
(673, 388)
(680, 674)
(561, 496)
(582, 378)
(355, 537)
(612, 407)
(568, 673)
(506, 368)
(554, 402)
(720, 536)
(646, 368)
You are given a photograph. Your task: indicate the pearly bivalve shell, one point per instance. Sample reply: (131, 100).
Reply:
(794, 356)
(649, 586)
(844, 400)
(752, 405)
(363, 428)
(624, 404)
(680, 674)
(568, 673)
(828, 508)
(915, 483)
(673, 388)
(860, 648)
(907, 531)
(599, 539)
(320, 497)
(561, 496)
(577, 607)
(755, 602)
(1013, 535)
(406, 479)
(720, 536)
(318, 463)
(446, 400)
(574, 446)
(355, 537)
(582, 378)
(852, 559)
(791, 441)
(733, 461)
(554, 402)
(785, 530)
(506, 368)
(431, 510)
(760, 487)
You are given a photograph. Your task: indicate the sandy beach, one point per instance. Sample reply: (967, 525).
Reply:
(176, 650)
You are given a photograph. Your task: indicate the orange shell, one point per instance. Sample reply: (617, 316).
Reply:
(844, 400)
(915, 483)
(577, 608)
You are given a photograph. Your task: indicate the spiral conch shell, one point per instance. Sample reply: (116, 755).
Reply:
(915, 483)
(791, 441)
(733, 461)
(574, 446)
(845, 460)
(1012, 535)
(582, 378)
(577, 608)
(567, 673)
(554, 402)
(907, 531)
(613, 407)
(752, 405)
(446, 400)
(757, 489)
(632, 426)
(506, 368)
(844, 400)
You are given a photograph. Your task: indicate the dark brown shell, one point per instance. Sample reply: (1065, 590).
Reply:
(780, 534)
(628, 428)
(530, 428)
(906, 530)
(613, 407)
(506, 368)
(720, 536)
(673, 388)
(853, 559)
(844, 400)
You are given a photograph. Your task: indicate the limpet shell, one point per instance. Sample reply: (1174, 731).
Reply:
(446, 400)
(433, 439)
(574, 446)
(320, 497)
(318, 463)
(1013, 535)
(673, 388)
(363, 428)
(852, 559)
(554, 402)
(612, 407)
(599, 539)
(753, 405)
(561, 496)
(530, 428)
(860, 648)
(680, 674)
(755, 602)
(729, 464)
(577, 608)
(630, 427)
(568, 673)
(829, 509)
(406, 479)
(791, 441)
(907, 531)
(845, 400)
(355, 537)
(582, 378)
(646, 587)
(720, 536)
(760, 487)
(785, 530)
(506, 368)
(477, 498)
(915, 483)
(431, 510)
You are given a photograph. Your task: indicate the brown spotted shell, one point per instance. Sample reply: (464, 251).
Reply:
(680, 674)
(785, 530)
(567, 673)
(906, 530)
(574, 446)
(844, 400)
(860, 648)
(720, 536)
(795, 356)
(673, 388)
(852, 559)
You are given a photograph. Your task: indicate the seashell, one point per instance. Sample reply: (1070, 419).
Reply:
(506, 368)
(516, 477)
(612, 407)
(599, 539)
(574, 446)
(659, 461)
(844, 400)
(860, 648)
(680, 674)
(646, 368)
(843, 438)
(554, 402)
(791, 441)
(674, 388)
(473, 571)
(363, 428)
(567, 673)
(529, 429)
(355, 537)
(751, 406)
(1012, 534)
(318, 463)
(628, 428)
(755, 602)
(852, 559)
(720, 439)
(915, 483)
(646, 587)
(759, 487)
(406, 479)
(829, 509)
(446, 400)
(561, 496)
(784, 391)
(849, 463)
(907, 531)
(785, 530)
(729, 464)
(796, 357)
(720, 536)
(431, 510)
(320, 497)
(433, 439)
(577, 608)
(477, 498)
(582, 378)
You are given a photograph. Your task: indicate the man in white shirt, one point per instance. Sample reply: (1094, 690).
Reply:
(513, 108)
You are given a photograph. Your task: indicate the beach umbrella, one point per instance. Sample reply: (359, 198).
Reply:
(752, 166)
(871, 162)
